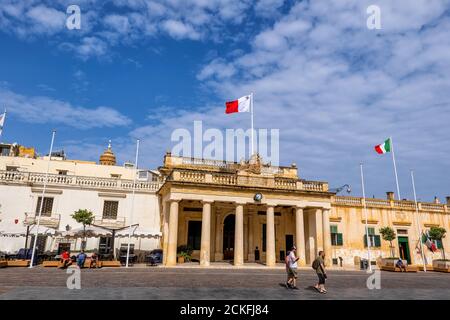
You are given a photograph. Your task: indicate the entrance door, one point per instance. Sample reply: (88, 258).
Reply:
(403, 246)
(289, 244)
(228, 237)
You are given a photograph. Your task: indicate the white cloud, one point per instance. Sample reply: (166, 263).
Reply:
(180, 30)
(41, 109)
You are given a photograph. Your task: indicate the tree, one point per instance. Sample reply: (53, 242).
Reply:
(85, 217)
(437, 234)
(388, 234)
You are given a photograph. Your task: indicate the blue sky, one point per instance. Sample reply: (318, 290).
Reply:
(140, 69)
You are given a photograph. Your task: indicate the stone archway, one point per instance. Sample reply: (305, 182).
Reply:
(228, 237)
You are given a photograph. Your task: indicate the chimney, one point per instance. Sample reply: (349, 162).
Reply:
(436, 200)
(390, 195)
(448, 200)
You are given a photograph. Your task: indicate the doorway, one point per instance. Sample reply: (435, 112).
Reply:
(403, 247)
(228, 237)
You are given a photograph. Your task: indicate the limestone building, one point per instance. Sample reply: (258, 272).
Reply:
(226, 211)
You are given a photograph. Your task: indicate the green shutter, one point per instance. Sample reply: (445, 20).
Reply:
(365, 241)
(439, 244)
(333, 229)
(377, 241)
(340, 240)
(371, 231)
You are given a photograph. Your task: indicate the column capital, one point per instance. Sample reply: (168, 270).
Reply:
(299, 207)
(207, 201)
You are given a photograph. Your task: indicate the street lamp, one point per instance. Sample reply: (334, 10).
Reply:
(337, 190)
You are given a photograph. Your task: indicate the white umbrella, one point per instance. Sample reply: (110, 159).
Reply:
(91, 232)
(139, 232)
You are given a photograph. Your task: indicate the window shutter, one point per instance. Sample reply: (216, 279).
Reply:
(377, 241)
(371, 231)
(439, 244)
(365, 241)
(340, 240)
(333, 229)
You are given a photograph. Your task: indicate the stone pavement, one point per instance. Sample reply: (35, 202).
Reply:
(213, 283)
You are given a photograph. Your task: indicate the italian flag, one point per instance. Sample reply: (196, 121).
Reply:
(384, 147)
(242, 104)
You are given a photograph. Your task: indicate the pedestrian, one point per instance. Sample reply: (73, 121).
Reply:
(401, 265)
(286, 262)
(65, 260)
(319, 266)
(81, 258)
(292, 269)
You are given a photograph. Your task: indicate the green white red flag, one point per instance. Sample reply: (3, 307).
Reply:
(384, 147)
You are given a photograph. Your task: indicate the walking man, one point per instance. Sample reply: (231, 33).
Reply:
(291, 267)
(319, 266)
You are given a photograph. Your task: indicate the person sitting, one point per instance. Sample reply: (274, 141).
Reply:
(94, 261)
(401, 265)
(81, 258)
(65, 260)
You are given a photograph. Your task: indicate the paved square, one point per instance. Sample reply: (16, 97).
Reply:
(196, 283)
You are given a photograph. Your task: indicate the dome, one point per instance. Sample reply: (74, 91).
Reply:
(108, 158)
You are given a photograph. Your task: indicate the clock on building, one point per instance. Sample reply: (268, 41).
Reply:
(258, 197)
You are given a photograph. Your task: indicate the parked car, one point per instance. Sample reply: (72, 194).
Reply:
(155, 257)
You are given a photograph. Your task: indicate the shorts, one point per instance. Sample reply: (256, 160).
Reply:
(321, 278)
(292, 273)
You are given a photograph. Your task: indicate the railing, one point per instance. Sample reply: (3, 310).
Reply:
(45, 220)
(405, 204)
(225, 179)
(119, 222)
(432, 207)
(85, 182)
(314, 186)
(282, 183)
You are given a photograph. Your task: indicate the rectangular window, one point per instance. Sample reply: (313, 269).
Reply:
(110, 209)
(47, 207)
(374, 240)
(336, 237)
(12, 168)
(62, 172)
(194, 234)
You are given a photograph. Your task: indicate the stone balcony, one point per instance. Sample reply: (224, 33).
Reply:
(117, 223)
(406, 205)
(32, 178)
(246, 180)
(50, 221)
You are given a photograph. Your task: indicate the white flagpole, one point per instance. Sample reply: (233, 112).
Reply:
(395, 168)
(4, 119)
(419, 228)
(132, 200)
(42, 200)
(365, 215)
(252, 137)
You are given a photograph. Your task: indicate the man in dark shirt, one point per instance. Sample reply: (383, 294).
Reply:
(319, 266)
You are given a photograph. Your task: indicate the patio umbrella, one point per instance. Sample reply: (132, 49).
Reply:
(139, 232)
(91, 232)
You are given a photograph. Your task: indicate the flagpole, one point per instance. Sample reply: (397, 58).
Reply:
(252, 137)
(419, 228)
(132, 200)
(395, 169)
(42, 199)
(3, 120)
(365, 215)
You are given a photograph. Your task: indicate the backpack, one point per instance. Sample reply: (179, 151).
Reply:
(316, 264)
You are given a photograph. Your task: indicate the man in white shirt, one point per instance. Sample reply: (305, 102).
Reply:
(292, 269)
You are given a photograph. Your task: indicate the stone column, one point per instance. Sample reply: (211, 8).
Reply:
(300, 236)
(270, 237)
(326, 236)
(319, 230)
(251, 245)
(312, 235)
(206, 234)
(239, 236)
(218, 256)
(173, 234)
(165, 230)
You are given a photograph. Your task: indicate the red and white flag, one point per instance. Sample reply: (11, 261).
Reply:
(240, 105)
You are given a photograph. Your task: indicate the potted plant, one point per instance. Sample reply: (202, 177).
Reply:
(437, 234)
(184, 254)
(85, 217)
(388, 234)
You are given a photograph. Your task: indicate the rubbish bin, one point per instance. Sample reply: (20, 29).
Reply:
(364, 264)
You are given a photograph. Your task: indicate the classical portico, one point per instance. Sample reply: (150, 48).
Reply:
(247, 212)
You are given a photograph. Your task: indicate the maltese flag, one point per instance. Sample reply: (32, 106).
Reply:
(240, 105)
(2, 122)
